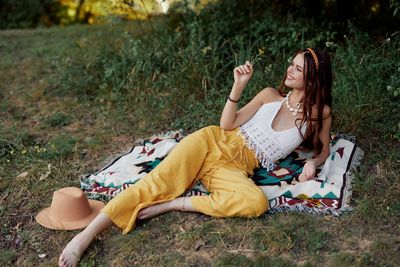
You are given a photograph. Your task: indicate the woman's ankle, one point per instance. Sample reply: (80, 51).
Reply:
(179, 204)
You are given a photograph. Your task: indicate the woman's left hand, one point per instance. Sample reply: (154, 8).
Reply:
(308, 172)
(242, 74)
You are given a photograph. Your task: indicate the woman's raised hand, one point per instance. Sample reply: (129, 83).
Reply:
(242, 74)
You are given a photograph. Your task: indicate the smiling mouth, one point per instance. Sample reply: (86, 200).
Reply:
(289, 77)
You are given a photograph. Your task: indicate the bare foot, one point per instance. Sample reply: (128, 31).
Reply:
(157, 209)
(74, 250)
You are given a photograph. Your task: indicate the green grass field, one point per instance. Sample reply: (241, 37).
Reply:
(72, 97)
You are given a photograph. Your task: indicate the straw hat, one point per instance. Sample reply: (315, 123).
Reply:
(69, 210)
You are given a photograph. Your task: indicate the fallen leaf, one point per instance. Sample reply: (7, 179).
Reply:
(42, 255)
(198, 244)
(17, 226)
(23, 175)
(45, 175)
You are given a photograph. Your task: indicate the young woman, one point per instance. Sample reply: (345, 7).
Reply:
(268, 128)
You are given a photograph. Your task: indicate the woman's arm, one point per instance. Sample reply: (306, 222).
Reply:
(231, 118)
(311, 165)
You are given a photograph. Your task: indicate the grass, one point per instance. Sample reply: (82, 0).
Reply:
(71, 97)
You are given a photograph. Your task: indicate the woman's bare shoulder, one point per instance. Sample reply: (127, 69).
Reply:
(270, 94)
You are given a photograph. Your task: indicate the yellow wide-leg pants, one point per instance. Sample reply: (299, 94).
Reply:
(218, 158)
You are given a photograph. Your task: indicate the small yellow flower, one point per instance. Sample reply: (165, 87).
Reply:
(204, 50)
(261, 51)
(329, 44)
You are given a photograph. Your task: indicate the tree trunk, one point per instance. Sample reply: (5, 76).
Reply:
(78, 9)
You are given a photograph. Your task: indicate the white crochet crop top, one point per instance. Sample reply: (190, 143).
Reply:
(269, 145)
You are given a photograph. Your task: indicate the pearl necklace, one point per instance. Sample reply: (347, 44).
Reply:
(294, 110)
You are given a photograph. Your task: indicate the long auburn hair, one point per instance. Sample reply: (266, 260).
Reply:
(317, 92)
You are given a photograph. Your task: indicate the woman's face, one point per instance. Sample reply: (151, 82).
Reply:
(294, 75)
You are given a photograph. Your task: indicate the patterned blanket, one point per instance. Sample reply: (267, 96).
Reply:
(328, 193)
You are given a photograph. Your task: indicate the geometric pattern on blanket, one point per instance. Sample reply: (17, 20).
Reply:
(328, 193)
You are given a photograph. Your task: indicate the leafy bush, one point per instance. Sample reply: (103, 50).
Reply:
(191, 60)
(182, 72)
(364, 71)
(27, 13)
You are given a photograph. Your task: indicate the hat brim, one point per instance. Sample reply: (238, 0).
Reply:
(48, 219)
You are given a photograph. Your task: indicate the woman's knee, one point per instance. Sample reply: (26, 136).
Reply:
(207, 130)
(199, 134)
(258, 203)
(200, 137)
(249, 204)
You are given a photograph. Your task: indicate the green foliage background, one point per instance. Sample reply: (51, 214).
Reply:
(191, 58)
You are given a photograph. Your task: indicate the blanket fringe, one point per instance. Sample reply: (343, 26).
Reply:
(348, 190)
(304, 209)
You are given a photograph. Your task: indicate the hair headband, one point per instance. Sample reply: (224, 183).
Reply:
(314, 57)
